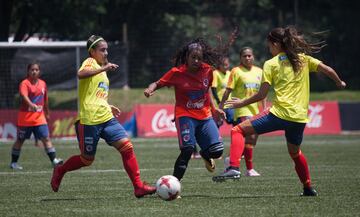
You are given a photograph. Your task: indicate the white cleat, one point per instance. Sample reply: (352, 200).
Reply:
(15, 166)
(251, 172)
(57, 161)
(228, 174)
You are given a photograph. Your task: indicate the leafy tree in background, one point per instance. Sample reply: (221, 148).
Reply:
(157, 28)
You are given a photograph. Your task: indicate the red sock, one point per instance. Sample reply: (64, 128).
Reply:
(237, 146)
(131, 166)
(248, 154)
(301, 168)
(73, 163)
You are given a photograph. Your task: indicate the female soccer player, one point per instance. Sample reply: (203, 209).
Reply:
(33, 116)
(288, 73)
(191, 77)
(218, 87)
(96, 120)
(244, 82)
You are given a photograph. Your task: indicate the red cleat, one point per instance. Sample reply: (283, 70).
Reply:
(56, 179)
(144, 190)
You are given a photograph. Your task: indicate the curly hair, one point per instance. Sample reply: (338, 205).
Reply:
(293, 43)
(213, 56)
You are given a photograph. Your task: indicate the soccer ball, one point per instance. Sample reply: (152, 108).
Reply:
(168, 187)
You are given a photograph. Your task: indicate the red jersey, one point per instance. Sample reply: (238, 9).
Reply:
(37, 94)
(191, 90)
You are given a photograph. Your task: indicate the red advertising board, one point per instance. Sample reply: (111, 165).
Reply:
(61, 123)
(155, 120)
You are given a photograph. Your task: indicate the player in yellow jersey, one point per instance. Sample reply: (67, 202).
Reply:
(218, 87)
(244, 82)
(96, 120)
(288, 73)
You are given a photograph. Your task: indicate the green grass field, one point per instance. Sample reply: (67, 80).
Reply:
(103, 189)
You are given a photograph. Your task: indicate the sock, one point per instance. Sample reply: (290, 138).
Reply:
(73, 163)
(131, 166)
(248, 153)
(15, 154)
(182, 162)
(51, 153)
(302, 168)
(236, 146)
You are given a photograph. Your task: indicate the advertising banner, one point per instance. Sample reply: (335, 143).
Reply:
(156, 120)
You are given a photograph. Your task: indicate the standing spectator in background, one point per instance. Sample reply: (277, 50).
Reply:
(191, 77)
(218, 87)
(33, 116)
(244, 82)
(288, 72)
(96, 120)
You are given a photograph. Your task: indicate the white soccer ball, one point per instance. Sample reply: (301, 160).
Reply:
(168, 187)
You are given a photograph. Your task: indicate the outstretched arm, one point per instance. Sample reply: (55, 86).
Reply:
(238, 103)
(86, 72)
(330, 72)
(151, 89)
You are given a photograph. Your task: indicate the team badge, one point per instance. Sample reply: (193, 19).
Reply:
(206, 82)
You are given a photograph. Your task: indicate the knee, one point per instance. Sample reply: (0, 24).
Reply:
(124, 146)
(216, 150)
(186, 153)
(87, 160)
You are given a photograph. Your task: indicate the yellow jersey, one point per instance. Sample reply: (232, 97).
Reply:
(220, 81)
(292, 90)
(245, 83)
(93, 94)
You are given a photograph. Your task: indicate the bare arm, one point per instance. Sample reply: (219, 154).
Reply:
(331, 73)
(261, 95)
(215, 95)
(46, 109)
(225, 97)
(151, 89)
(85, 73)
(32, 106)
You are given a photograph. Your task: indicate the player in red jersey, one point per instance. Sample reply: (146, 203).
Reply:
(33, 116)
(192, 77)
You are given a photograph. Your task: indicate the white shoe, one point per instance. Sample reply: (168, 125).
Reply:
(15, 166)
(57, 161)
(251, 172)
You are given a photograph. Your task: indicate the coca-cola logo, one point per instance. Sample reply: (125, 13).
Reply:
(195, 105)
(315, 118)
(162, 122)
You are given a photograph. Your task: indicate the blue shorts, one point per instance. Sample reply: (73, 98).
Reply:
(40, 132)
(241, 119)
(293, 130)
(88, 135)
(191, 131)
(229, 116)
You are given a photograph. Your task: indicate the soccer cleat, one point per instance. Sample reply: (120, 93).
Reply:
(57, 161)
(210, 165)
(230, 173)
(56, 179)
(15, 166)
(145, 189)
(309, 192)
(251, 172)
